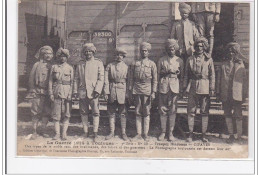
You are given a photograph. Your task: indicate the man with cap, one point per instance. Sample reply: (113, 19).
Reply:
(88, 85)
(199, 82)
(60, 91)
(170, 76)
(205, 14)
(143, 85)
(232, 88)
(38, 89)
(115, 91)
(185, 32)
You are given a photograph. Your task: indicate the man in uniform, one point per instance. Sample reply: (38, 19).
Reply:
(199, 81)
(185, 32)
(38, 89)
(232, 89)
(88, 83)
(205, 14)
(170, 76)
(60, 91)
(143, 85)
(115, 91)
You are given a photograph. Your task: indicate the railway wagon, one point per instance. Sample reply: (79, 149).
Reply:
(70, 24)
(112, 24)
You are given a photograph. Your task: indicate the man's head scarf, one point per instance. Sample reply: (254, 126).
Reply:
(145, 45)
(42, 50)
(89, 46)
(236, 48)
(184, 8)
(62, 51)
(121, 50)
(204, 41)
(172, 43)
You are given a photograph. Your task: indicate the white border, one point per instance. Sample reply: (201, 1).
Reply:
(113, 166)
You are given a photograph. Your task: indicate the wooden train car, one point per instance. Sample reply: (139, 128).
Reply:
(70, 24)
(111, 24)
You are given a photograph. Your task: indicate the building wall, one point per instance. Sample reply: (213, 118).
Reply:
(144, 21)
(242, 26)
(242, 31)
(91, 22)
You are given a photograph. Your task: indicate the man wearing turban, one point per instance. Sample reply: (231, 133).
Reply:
(88, 85)
(38, 89)
(170, 76)
(60, 91)
(232, 88)
(115, 91)
(143, 85)
(185, 32)
(205, 14)
(199, 82)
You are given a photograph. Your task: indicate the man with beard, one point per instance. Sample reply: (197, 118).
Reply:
(170, 76)
(38, 89)
(143, 85)
(232, 89)
(199, 81)
(88, 83)
(115, 92)
(60, 91)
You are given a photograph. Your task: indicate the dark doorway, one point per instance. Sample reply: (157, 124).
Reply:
(224, 30)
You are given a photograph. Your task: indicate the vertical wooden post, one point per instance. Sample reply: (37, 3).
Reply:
(46, 21)
(117, 31)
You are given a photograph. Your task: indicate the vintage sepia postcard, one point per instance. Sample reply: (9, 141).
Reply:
(133, 79)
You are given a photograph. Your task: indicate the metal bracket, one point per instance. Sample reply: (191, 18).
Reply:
(144, 25)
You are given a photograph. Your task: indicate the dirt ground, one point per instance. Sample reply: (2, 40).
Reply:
(216, 130)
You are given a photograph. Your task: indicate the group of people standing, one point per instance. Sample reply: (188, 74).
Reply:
(190, 74)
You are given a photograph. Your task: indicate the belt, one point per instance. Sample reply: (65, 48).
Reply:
(117, 80)
(172, 75)
(144, 80)
(63, 82)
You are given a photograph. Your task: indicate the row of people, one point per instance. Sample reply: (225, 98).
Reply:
(170, 78)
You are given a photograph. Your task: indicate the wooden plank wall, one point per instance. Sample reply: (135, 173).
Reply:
(242, 31)
(242, 26)
(90, 17)
(144, 21)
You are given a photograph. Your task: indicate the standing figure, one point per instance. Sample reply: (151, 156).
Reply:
(232, 89)
(38, 89)
(88, 85)
(143, 85)
(115, 91)
(205, 14)
(170, 77)
(60, 91)
(199, 81)
(185, 32)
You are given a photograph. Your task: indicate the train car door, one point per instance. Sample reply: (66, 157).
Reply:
(75, 41)
(104, 42)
